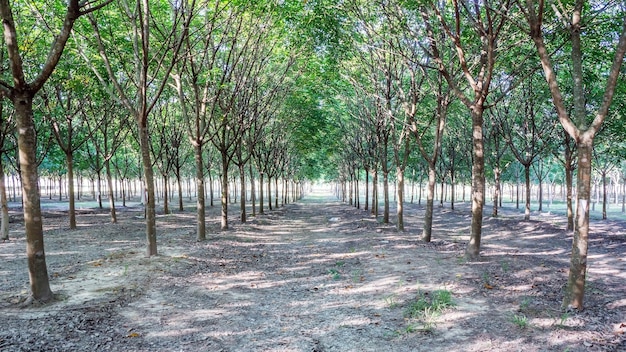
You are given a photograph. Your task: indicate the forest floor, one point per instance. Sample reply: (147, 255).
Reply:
(316, 275)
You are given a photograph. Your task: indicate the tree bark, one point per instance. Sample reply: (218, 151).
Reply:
(150, 207)
(575, 289)
(430, 203)
(27, 144)
(527, 180)
(107, 167)
(478, 183)
(242, 199)
(400, 200)
(4, 223)
(224, 198)
(200, 189)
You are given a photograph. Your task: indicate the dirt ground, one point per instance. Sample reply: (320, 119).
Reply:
(316, 275)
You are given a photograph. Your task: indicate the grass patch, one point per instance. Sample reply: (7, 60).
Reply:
(520, 320)
(423, 311)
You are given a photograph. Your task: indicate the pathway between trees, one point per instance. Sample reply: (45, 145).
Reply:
(317, 275)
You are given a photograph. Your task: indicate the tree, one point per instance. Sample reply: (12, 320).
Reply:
(526, 128)
(147, 75)
(579, 124)
(26, 83)
(473, 28)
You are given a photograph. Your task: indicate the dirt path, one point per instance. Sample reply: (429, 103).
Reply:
(313, 276)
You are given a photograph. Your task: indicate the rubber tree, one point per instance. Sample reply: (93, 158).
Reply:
(21, 91)
(582, 125)
(145, 69)
(476, 56)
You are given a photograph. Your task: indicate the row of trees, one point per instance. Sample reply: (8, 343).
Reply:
(293, 90)
(462, 85)
(152, 80)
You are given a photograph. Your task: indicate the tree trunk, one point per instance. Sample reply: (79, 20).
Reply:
(180, 191)
(527, 180)
(400, 199)
(496, 191)
(276, 192)
(375, 194)
(99, 190)
(478, 184)
(575, 289)
(4, 223)
(242, 199)
(224, 201)
(200, 200)
(27, 144)
(367, 189)
(386, 197)
(107, 170)
(430, 203)
(252, 191)
(149, 186)
(166, 204)
(604, 195)
(261, 193)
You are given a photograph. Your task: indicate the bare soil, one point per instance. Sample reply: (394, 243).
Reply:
(316, 275)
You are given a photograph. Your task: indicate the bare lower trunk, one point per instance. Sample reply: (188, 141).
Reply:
(575, 289)
(261, 193)
(252, 192)
(27, 144)
(4, 223)
(527, 180)
(180, 192)
(200, 202)
(430, 203)
(386, 197)
(276, 192)
(400, 200)
(107, 170)
(496, 192)
(100, 191)
(224, 201)
(367, 180)
(166, 203)
(478, 185)
(604, 196)
(150, 193)
(242, 199)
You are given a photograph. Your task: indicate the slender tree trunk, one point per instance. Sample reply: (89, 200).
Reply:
(496, 191)
(224, 201)
(166, 204)
(375, 194)
(211, 192)
(478, 184)
(107, 170)
(4, 223)
(252, 191)
(261, 193)
(180, 191)
(27, 144)
(604, 198)
(276, 192)
(575, 289)
(269, 192)
(400, 199)
(242, 199)
(527, 180)
(367, 180)
(430, 203)
(386, 197)
(149, 185)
